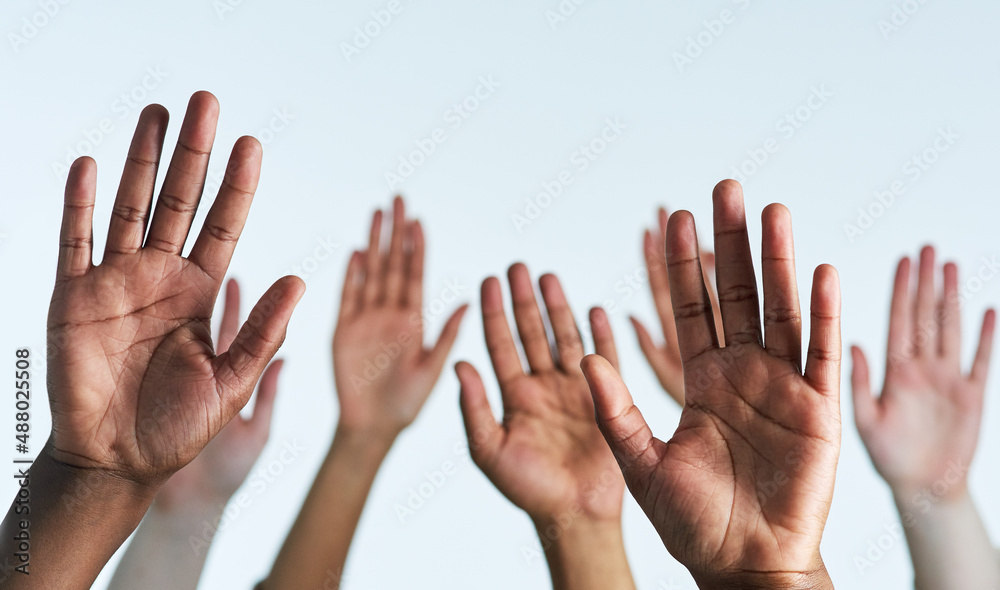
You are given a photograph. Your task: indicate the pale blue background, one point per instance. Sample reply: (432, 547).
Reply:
(324, 173)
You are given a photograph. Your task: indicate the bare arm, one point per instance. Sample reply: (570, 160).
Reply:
(753, 414)
(922, 431)
(135, 386)
(383, 375)
(547, 456)
(171, 545)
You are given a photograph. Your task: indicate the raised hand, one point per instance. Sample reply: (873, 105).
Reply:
(548, 457)
(665, 359)
(922, 431)
(135, 384)
(926, 421)
(220, 469)
(136, 387)
(171, 545)
(384, 373)
(741, 492)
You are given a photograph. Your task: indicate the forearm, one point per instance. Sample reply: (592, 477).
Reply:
(169, 549)
(66, 523)
(949, 545)
(315, 550)
(584, 555)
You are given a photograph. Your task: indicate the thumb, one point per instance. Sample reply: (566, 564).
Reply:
(240, 367)
(864, 403)
(267, 390)
(621, 423)
(439, 354)
(481, 426)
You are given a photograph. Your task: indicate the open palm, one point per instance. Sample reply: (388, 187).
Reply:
(548, 457)
(220, 469)
(384, 373)
(926, 421)
(135, 385)
(745, 484)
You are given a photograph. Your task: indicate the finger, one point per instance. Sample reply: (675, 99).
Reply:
(439, 354)
(696, 332)
(569, 343)
(395, 269)
(481, 427)
(267, 390)
(499, 341)
(738, 299)
(352, 297)
(240, 367)
(216, 243)
(76, 237)
(527, 317)
(230, 324)
(621, 423)
(981, 366)
(823, 359)
(185, 180)
(135, 192)
(662, 217)
(415, 267)
(925, 335)
(950, 315)
(782, 316)
(671, 377)
(604, 339)
(659, 284)
(864, 402)
(373, 264)
(708, 269)
(900, 345)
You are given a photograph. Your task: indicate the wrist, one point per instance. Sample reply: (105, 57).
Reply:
(365, 445)
(81, 486)
(192, 508)
(584, 552)
(942, 494)
(815, 579)
(572, 525)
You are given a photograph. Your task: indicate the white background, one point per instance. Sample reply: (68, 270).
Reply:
(686, 128)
